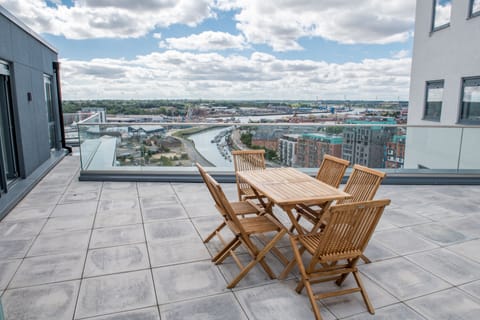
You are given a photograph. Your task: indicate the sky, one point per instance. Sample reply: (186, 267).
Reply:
(227, 49)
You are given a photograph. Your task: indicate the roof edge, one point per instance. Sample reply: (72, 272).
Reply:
(7, 14)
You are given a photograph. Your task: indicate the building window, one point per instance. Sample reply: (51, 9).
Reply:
(474, 8)
(47, 81)
(470, 111)
(441, 14)
(8, 147)
(433, 101)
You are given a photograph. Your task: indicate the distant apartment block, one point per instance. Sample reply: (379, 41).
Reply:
(287, 149)
(365, 145)
(311, 148)
(280, 108)
(31, 126)
(268, 136)
(445, 85)
(395, 151)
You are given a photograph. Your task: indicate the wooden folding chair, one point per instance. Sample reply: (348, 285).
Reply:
(331, 172)
(336, 249)
(243, 229)
(240, 208)
(362, 186)
(244, 160)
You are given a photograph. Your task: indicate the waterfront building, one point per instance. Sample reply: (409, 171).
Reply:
(311, 147)
(146, 130)
(395, 150)
(365, 145)
(268, 136)
(287, 149)
(445, 85)
(31, 123)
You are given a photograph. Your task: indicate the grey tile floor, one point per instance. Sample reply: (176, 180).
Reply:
(107, 250)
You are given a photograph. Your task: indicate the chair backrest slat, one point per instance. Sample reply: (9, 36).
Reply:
(213, 193)
(332, 170)
(227, 209)
(362, 184)
(349, 229)
(245, 160)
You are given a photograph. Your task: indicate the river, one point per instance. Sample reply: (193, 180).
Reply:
(209, 149)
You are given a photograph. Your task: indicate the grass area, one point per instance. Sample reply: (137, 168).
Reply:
(184, 133)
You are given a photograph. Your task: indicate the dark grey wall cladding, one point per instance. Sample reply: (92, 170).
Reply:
(5, 33)
(30, 60)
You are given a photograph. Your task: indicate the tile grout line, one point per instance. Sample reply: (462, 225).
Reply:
(40, 231)
(218, 268)
(86, 253)
(200, 236)
(148, 251)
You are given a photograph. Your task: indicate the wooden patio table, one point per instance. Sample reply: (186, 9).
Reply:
(287, 187)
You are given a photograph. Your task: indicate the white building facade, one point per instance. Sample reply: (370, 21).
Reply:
(287, 149)
(445, 86)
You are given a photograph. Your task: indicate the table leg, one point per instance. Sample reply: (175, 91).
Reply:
(267, 206)
(295, 224)
(324, 212)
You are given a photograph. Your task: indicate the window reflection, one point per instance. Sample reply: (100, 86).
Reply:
(433, 102)
(471, 100)
(442, 13)
(475, 8)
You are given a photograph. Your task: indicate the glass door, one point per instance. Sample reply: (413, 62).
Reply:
(8, 150)
(50, 112)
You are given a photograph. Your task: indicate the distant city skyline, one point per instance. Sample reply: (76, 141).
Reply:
(227, 49)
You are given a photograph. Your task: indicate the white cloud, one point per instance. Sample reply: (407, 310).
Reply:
(108, 18)
(281, 23)
(206, 41)
(277, 23)
(180, 73)
(174, 74)
(401, 54)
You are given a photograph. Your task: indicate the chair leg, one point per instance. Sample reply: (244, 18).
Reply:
(298, 258)
(341, 279)
(304, 281)
(292, 228)
(280, 256)
(363, 292)
(267, 268)
(259, 258)
(214, 232)
(313, 301)
(290, 266)
(365, 259)
(225, 252)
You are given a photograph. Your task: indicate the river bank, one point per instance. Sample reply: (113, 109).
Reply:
(207, 144)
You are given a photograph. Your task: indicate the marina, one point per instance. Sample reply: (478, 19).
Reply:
(220, 155)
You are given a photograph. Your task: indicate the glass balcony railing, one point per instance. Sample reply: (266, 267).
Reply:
(175, 147)
(71, 121)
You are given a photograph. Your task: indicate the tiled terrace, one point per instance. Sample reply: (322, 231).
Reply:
(77, 250)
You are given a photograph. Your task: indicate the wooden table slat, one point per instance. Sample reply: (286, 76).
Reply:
(288, 186)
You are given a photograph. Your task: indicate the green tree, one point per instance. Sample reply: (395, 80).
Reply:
(246, 139)
(334, 130)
